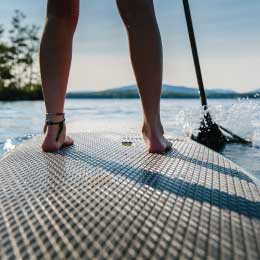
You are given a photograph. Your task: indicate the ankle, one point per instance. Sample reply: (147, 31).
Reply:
(55, 117)
(152, 129)
(54, 125)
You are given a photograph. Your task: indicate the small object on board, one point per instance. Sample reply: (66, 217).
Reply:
(127, 143)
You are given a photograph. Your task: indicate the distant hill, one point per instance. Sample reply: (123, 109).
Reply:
(168, 91)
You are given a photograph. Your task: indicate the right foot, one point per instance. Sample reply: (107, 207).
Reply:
(155, 140)
(50, 144)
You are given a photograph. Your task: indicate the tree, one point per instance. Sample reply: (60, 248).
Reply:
(31, 55)
(19, 72)
(24, 44)
(17, 36)
(6, 75)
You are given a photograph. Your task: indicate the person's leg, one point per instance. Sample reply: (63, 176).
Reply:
(146, 55)
(55, 61)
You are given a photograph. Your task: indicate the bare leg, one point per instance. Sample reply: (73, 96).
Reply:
(146, 55)
(55, 61)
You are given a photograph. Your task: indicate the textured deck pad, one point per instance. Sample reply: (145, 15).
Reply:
(101, 199)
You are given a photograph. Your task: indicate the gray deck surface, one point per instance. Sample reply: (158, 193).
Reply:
(101, 199)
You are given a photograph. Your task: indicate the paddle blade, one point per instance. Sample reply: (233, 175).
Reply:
(210, 134)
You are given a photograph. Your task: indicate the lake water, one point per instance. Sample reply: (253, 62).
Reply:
(19, 121)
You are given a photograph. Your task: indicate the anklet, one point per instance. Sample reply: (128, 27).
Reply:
(49, 116)
(60, 123)
(55, 114)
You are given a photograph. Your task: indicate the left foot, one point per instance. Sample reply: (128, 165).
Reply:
(49, 142)
(55, 136)
(155, 140)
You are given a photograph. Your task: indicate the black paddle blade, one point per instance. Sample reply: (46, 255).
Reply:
(210, 134)
(233, 138)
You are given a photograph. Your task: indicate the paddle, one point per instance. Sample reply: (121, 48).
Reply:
(210, 133)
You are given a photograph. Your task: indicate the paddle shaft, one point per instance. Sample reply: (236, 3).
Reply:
(199, 74)
(195, 53)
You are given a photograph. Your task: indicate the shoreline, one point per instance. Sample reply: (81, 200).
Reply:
(131, 98)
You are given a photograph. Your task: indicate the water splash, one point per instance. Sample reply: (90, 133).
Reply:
(8, 145)
(242, 118)
(188, 120)
(11, 143)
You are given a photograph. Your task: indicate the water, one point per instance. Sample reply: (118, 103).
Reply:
(19, 121)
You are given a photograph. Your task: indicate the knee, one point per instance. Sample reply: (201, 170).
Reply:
(65, 12)
(135, 11)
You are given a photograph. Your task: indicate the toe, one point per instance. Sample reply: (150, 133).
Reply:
(160, 147)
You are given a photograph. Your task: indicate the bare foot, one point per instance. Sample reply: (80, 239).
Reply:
(154, 139)
(50, 144)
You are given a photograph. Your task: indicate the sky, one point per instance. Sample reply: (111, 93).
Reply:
(227, 32)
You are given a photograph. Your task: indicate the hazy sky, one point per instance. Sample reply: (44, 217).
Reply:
(228, 35)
